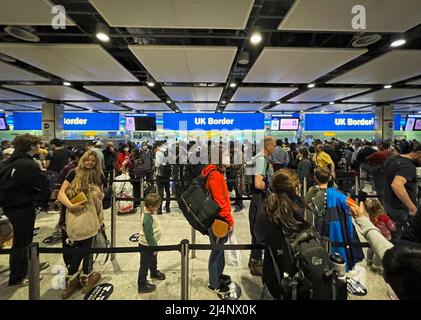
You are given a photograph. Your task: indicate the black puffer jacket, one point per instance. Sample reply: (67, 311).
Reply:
(28, 180)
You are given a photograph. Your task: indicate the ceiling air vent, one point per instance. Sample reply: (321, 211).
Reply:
(365, 41)
(25, 33)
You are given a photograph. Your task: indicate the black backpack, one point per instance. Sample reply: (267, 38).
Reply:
(166, 168)
(198, 206)
(314, 277)
(245, 180)
(7, 183)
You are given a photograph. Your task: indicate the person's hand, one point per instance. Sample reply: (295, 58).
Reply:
(413, 211)
(333, 174)
(78, 206)
(358, 211)
(155, 253)
(231, 229)
(101, 196)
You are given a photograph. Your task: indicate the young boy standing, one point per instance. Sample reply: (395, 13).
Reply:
(149, 235)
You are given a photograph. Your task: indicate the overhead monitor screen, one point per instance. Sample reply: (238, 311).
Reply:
(289, 124)
(418, 125)
(130, 124)
(145, 123)
(3, 125)
(410, 124)
(274, 126)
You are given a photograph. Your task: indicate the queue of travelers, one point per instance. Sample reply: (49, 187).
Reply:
(390, 220)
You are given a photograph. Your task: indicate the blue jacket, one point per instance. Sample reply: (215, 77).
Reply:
(339, 228)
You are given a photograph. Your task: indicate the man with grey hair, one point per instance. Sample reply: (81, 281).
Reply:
(262, 177)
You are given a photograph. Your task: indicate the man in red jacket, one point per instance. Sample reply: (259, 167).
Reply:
(217, 186)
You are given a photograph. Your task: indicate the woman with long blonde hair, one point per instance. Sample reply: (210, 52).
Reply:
(83, 219)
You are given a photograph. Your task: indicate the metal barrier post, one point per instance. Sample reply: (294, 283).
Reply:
(33, 272)
(357, 188)
(113, 224)
(142, 195)
(305, 187)
(184, 269)
(193, 241)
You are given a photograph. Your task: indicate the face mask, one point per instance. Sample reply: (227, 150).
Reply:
(145, 147)
(126, 149)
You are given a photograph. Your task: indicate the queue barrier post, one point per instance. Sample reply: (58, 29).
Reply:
(184, 269)
(193, 241)
(142, 195)
(113, 224)
(305, 186)
(33, 272)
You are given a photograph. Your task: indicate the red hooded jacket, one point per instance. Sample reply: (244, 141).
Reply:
(217, 185)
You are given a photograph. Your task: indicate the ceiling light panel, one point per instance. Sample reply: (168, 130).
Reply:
(261, 94)
(186, 14)
(53, 92)
(298, 65)
(100, 106)
(148, 106)
(186, 63)
(10, 95)
(294, 107)
(121, 93)
(12, 73)
(394, 66)
(28, 12)
(193, 94)
(73, 62)
(386, 95)
(327, 94)
(194, 107)
(336, 15)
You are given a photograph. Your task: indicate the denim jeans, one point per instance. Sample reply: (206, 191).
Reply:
(216, 261)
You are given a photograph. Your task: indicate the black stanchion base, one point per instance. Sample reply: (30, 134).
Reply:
(100, 292)
(233, 294)
(134, 237)
(355, 287)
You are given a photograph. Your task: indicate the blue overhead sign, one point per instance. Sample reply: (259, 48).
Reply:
(71, 121)
(214, 121)
(343, 122)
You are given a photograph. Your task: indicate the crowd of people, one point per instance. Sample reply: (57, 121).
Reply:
(295, 186)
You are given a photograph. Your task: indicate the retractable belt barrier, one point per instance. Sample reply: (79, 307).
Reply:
(184, 247)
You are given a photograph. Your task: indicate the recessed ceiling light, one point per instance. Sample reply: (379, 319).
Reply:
(311, 85)
(388, 86)
(223, 102)
(111, 101)
(65, 83)
(168, 101)
(398, 43)
(1, 110)
(342, 111)
(323, 111)
(151, 84)
(278, 102)
(103, 37)
(233, 85)
(331, 102)
(256, 38)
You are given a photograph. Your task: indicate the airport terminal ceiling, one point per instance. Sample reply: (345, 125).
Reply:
(197, 56)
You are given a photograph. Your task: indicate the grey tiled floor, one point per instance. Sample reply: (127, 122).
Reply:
(122, 272)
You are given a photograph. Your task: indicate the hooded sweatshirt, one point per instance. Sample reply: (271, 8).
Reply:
(217, 185)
